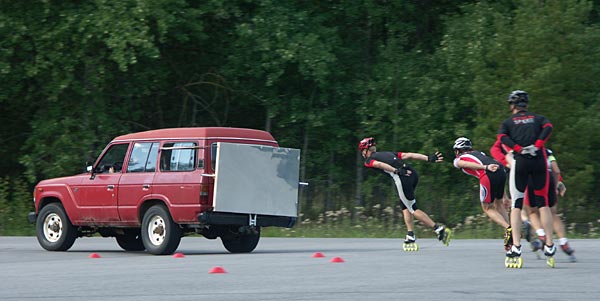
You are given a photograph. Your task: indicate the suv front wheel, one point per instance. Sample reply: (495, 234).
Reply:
(160, 234)
(54, 229)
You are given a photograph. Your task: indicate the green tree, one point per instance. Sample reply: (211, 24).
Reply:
(546, 48)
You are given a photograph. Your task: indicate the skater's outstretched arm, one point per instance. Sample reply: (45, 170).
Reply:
(473, 165)
(434, 158)
(382, 165)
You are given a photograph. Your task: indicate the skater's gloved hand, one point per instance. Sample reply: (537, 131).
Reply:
(435, 157)
(492, 167)
(529, 150)
(561, 188)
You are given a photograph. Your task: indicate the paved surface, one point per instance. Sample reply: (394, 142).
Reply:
(283, 268)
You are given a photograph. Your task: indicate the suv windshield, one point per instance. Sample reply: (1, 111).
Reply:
(112, 161)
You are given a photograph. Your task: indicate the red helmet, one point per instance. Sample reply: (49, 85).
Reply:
(366, 143)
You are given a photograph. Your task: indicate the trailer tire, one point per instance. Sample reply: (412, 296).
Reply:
(241, 243)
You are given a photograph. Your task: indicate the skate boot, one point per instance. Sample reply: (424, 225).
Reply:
(567, 249)
(410, 244)
(513, 258)
(508, 241)
(549, 251)
(536, 246)
(443, 235)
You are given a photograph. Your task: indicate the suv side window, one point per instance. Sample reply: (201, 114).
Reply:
(143, 157)
(179, 156)
(112, 161)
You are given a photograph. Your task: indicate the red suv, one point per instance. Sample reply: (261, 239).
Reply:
(148, 189)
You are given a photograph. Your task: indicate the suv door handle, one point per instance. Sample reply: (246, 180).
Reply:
(110, 187)
(146, 186)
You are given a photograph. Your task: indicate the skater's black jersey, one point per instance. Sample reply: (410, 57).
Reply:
(391, 158)
(524, 128)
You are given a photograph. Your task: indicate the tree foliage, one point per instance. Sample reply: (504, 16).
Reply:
(318, 75)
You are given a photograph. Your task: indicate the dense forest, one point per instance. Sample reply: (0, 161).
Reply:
(318, 75)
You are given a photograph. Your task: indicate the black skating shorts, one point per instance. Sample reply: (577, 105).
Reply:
(491, 186)
(551, 194)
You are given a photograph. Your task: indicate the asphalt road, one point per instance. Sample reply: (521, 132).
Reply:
(284, 269)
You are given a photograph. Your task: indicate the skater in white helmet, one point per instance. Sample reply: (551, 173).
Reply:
(492, 179)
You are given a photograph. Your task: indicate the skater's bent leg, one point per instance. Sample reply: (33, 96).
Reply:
(499, 204)
(494, 215)
(424, 218)
(558, 225)
(515, 222)
(525, 212)
(547, 223)
(534, 219)
(408, 220)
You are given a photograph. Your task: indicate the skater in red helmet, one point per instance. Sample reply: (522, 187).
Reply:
(405, 178)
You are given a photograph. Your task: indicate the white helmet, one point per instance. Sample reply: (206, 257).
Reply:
(463, 143)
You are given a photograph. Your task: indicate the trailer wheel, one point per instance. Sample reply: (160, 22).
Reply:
(241, 243)
(130, 240)
(160, 234)
(54, 230)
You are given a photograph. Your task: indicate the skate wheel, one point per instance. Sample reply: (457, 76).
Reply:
(550, 261)
(446, 240)
(410, 247)
(513, 263)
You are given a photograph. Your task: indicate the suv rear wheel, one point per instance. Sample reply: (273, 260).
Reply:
(54, 229)
(160, 234)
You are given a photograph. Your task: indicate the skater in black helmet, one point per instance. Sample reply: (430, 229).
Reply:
(406, 178)
(492, 179)
(526, 133)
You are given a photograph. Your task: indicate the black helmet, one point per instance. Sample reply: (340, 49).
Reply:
(463, 143)
(519, 98)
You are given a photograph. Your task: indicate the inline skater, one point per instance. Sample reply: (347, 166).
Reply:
(557, 187)
(503, 157)
(406, 179)
(492, 179)
(526, 134)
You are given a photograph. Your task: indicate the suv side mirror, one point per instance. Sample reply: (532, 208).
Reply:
(90, 169)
